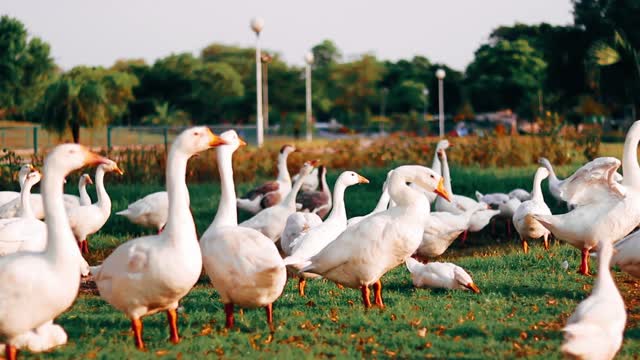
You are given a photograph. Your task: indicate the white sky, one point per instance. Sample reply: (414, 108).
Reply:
(94, 32)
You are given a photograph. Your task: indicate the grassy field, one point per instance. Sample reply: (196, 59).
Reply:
(525, 299)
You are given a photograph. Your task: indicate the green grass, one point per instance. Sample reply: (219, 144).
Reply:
(524, 302)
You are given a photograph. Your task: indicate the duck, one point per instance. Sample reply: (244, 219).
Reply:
(150, 211)
(439, 275)
(506, 211)
(271, 221)
(527, 227)
(84, 180)
(271, 193)
(243, 264)
(150, 274)
(318, 202)
(311, 181)
(595, 329)
(7, 196)
(364, 252)
(606, 209)
(27, 302)
(88, 219)
(440, 231)
(318, 237)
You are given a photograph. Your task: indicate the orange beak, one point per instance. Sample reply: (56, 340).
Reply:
(473, 287)
(215, 140)
(242, 142)
(92, 158)
(119, 171)
(362, 180)
(314, 163)
(89, 181)
(440, 190)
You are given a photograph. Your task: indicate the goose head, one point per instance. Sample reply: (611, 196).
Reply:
(422, 176)
(69, 157)
(232, 140)
(542, 172)
(32, 178)
(111, 166)
(307, 167)
(85, 179)
(443, 145)
(349, 178)
(288, 149)
(197, 139)
(464, 281)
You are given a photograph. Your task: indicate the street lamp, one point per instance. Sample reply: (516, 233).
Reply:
(266, 59)
(440, 74)
(308, 59)
(257, 24)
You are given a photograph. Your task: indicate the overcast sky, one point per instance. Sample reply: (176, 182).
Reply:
(99, 32)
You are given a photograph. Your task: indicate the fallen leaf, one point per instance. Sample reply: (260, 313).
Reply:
(162, 352)
(422, 332)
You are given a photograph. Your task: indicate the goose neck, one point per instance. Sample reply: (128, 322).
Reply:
(179, 217)
(324, 187)
(552, 173)
(383, 202)
(227, 213)
(283, 171)
(61, 245)
(85, 199)
(536, 192)
(338, 212)
(445, 173)
(604, 279)
(290, 200)
(630, 168)
(25, 201)
(104, 202)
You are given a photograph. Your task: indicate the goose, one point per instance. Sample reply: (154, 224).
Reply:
(506, 211)
(436, 165)
(271, 221)
(527, 227)
(88, 219)
(595, 329)
(520, 194)
(7, 196)
(364, 252)
(317, 238)
(493, 199)
(297, 224)
(85, 199)
(440, 230)
(26, 301)
(439, 275)
(151, 274)
(383, 203)
(243, 265)
(43, 338)
(627, 254)
(606, 210)
(318, 202)
(311, 181)
(150, 211)
(24, 232)
(271, 193)
(557, 187)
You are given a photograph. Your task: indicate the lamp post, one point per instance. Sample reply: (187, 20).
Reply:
(257, 24)
(266, 59)
(440, 74)
(308, 59)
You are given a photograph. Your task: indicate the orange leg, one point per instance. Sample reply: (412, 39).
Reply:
(228, 311)
(302, 282)
(84, 246)
(377, 289)
(546, 241)
(10, 352)
(365, 296)
(136, 325)
(172, 316)
(525, 245)
(269, 311)
(584, 264)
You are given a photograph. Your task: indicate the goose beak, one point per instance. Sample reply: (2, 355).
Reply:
(118, 170)
(314, 163)
(242, 142)
(473, 287)
(215, 140)
(92, 158)
(89, 181)
(362, 179)
(440, 190)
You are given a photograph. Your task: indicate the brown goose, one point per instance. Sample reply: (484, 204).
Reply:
(318, 202)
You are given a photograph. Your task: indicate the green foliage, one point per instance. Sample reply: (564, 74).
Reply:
(86, 97)
(355, 91)
(507, 74)
(25, 67)
(167, 116)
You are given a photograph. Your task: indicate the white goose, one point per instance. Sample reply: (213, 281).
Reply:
(244, 265)
(28, 302)
(493, 199)
(311, 181)
(528, 227)
(150, 211)
(364, 252)
(382, 205)
(271, 193)
(25, 232)
(440, 275)
(150, 274)
(594, 330)
(440, 231)
(84, 180)
(316, 239)
(520, 194)
(88, 219)
(627, 254)
(436, 165)
(7, 196)
(297, 224)
(271, 221)
(606, 210)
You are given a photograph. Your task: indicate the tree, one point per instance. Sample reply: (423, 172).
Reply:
(26, 67)
(166, 115)
(355, 93)
(508, 74)
(325, 54)
(86, 97)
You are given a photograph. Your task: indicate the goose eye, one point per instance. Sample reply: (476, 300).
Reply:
(433, 177)
(196, 133)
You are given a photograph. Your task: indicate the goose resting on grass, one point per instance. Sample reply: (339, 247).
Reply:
(440, 275)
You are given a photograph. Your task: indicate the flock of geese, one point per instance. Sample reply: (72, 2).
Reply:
(299, 229)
